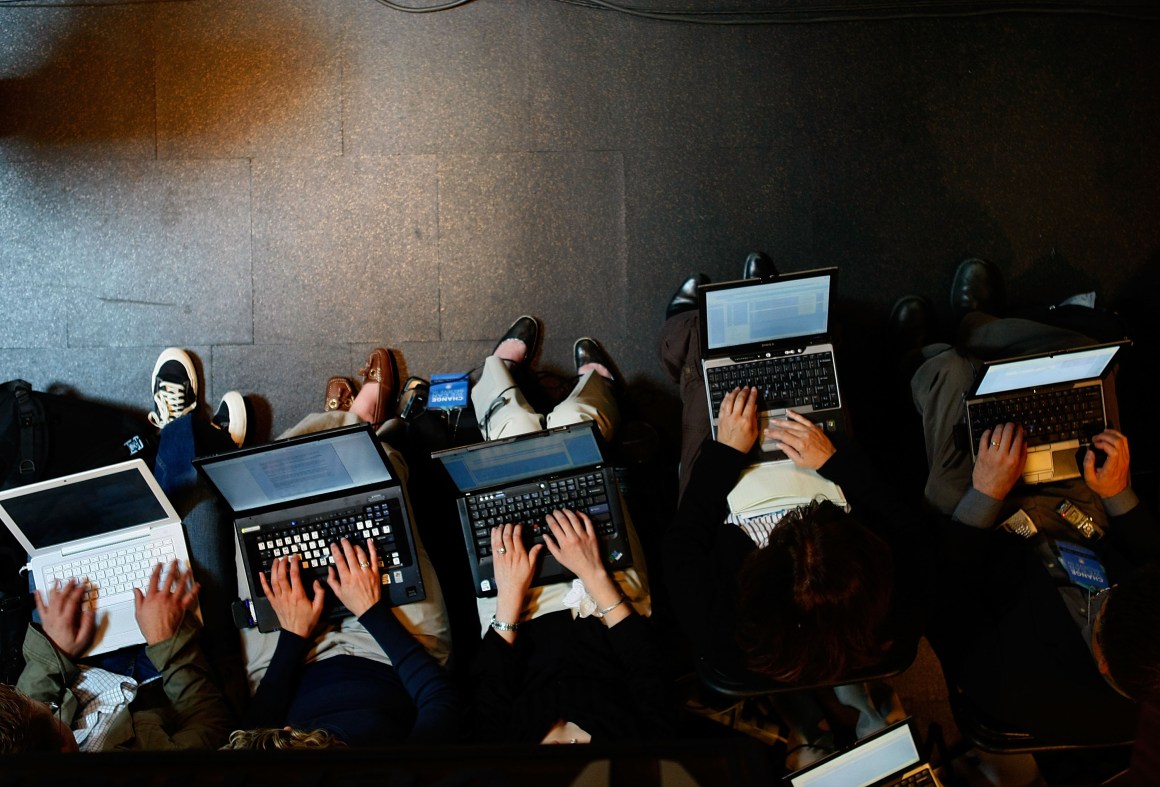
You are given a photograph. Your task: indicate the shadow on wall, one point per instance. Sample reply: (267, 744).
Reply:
(124, 82)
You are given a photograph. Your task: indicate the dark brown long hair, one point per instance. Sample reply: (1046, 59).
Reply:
(811, 604)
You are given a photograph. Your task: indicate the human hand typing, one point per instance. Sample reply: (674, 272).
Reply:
(803, 441)
(737, 419)
(514, 566)
(572, 540)
(355, 576)
(296, 612)
(1112, 478)
(163, 604)
(999, 464)
(64, 622)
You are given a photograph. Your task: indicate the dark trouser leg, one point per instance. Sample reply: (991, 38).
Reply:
(680, 356)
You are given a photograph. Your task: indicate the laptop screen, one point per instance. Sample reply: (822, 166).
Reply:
(1021, 373)
(508, 462)
(878, 757)
(767, 312)
(284, 472)
(75, 510)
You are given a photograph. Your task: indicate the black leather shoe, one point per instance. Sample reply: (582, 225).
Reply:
(978, 286)
(685, 298)
(527, 330)
(758, 265)
(586, 351)
(912, 324)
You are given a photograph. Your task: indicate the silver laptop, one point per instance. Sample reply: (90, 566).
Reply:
(108, 526)
(773, 334)
(1058, 397)
(889, 757)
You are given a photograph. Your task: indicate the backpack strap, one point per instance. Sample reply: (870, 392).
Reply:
(33, 434)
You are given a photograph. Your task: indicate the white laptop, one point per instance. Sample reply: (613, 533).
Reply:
(110, 526)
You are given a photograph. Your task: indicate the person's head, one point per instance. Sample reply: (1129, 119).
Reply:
(812, 601)
(27, 725)
(1126, 636)
(269, 739)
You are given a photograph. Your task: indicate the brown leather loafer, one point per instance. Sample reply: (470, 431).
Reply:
(339, 394)
(381, 368)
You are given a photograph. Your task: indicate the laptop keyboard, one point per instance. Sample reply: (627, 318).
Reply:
(1047, 417)
(792, 381)
(310, 538)
(111, 576)
(920, 779)
(529, 505)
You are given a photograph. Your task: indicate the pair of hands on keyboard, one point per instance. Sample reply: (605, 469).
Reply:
(354, 578)
(572, 540)
(801, 439)
(159, 609)
(1002, 454)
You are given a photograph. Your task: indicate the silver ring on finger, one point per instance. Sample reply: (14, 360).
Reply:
(502, 550)
(994, 443)
(364, 565)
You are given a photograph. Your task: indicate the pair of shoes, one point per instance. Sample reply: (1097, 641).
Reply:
(977, 286)
(174, 387)
(758, 265)
(685, 298)
(525, 329)
(175, 395)
(231, 417)
(381, 368)
(912, 324)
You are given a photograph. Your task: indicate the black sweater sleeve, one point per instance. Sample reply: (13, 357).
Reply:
(271, 701)
(702, 553)
(425, 681)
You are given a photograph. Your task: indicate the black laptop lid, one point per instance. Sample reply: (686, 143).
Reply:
(298, 469)
(536, 455)
(746, 316)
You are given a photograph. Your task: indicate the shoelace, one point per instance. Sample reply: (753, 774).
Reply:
(170, 400)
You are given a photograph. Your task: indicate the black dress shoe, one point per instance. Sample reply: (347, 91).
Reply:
(758, 265)
(685, 298)
(978, 286)
(586, 351)
(912, 324)
(527, 330)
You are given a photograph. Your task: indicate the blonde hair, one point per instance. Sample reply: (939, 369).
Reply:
(272, 738)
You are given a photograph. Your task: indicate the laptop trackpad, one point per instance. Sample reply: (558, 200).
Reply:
(1038, 462)
(1043, 466)
(1064, 463)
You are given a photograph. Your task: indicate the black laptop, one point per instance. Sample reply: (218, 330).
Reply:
(297, 496)
(518, 480)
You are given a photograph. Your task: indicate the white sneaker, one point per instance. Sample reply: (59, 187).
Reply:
(231, 417)
(174, 387)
